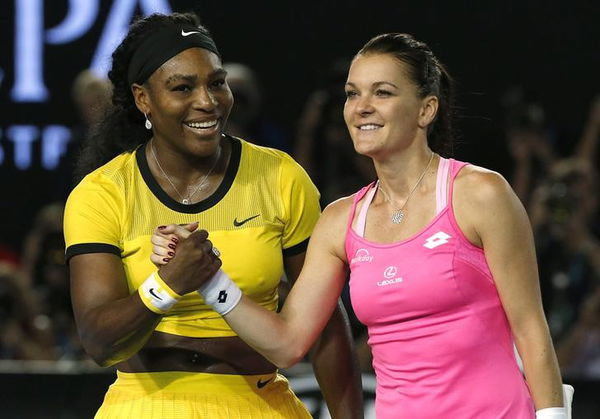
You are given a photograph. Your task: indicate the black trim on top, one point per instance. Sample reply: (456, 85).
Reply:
(232, 169)
(296, 249)
(80, 249)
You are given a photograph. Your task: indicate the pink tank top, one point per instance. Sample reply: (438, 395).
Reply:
(441, 342)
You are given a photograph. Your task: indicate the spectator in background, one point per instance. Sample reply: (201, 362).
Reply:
(561, 212)
(587, 149)
(46, 276)
(23, 336)
(91, 97)
(323, 146)
(247, 119)
(530, 145)
(579, 352)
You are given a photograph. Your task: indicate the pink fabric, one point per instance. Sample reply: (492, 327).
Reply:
(441, 343)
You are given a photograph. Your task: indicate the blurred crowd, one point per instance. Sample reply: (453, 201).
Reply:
(559, 189)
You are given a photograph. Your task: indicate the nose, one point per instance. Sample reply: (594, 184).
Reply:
(364, 105)
(205, 100)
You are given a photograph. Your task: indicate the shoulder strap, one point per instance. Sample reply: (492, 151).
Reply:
(359, 195)
(441, 187)
(361, 221)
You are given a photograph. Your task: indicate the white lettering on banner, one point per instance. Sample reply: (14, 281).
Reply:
(116, 28)
(54, 142)
(29, 69)
(22, 136)
(80, 18)
(54, 145)
(29, 82)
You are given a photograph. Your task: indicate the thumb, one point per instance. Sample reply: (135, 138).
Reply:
(191, 227)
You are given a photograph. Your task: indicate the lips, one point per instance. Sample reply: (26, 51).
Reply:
(369, 127)
(203, 125)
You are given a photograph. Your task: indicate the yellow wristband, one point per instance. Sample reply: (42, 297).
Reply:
(157, 295)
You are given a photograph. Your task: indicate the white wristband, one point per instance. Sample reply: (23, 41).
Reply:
(157, 295)
(221, 293)
(551, 413)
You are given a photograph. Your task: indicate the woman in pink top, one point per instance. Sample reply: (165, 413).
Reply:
(441, 260)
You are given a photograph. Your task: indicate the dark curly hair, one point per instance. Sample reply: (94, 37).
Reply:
(430, 77)
(122, 128)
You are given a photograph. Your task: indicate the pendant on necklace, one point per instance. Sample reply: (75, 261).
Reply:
(397, 216)
(185, 201)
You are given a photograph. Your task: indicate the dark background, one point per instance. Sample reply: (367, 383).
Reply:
(548, 47)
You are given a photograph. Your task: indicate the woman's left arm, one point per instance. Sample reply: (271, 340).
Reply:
(492, 217)
(333, 358)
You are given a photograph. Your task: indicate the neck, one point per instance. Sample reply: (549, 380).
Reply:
(182, 168)
(399, 173)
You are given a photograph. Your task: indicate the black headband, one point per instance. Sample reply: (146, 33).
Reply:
(163, 44)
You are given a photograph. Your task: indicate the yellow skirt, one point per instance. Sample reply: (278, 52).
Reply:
(187, 395)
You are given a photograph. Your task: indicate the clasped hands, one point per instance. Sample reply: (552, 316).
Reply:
(195, 262)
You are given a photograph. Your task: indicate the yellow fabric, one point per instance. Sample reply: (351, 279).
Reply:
(186, 395)
(116, 207)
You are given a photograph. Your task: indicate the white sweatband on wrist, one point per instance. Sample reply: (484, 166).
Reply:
(551, 413)
(221, 293)
(157, 295)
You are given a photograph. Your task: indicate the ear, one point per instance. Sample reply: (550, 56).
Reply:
(428, 111)
(141, 97)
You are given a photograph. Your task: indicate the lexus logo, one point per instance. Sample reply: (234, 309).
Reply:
(390, 272)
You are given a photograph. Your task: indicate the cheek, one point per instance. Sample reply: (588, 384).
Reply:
(226, 100)
(347, 113)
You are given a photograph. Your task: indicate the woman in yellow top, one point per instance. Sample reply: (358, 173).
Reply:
(160, 157)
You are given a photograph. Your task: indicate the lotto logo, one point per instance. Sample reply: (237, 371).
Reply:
(436, 240)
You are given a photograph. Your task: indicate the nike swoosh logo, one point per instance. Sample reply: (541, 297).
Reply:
(241, 223)
(151, 291)
(261, 384)
(183, 33)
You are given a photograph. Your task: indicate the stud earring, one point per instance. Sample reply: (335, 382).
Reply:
(148, 124)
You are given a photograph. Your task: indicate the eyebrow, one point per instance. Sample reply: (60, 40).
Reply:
(376, 84)
(177, 77)
(190, 78)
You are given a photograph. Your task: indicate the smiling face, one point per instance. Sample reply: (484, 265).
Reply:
(188, 101)
(383, 110)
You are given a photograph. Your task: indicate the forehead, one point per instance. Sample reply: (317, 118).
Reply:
(192, 61)
(371, 68)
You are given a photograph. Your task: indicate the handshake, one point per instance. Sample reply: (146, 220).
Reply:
(196, 267)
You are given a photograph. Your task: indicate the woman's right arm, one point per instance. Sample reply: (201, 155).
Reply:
(112, 324)
(285, 337)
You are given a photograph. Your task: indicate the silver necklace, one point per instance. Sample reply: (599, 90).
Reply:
(188, 199)
(398, 214)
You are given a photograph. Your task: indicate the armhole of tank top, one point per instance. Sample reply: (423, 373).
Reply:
(454, 171)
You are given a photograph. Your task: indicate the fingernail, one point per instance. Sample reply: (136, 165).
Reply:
(175, 240)
(171, 254)
(162, 227)
(166, 259)
(171, 246)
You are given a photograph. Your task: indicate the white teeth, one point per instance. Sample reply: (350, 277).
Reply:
(369, 127)
(208, 124)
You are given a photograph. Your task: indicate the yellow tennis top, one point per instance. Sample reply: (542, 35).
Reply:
(264, 209)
